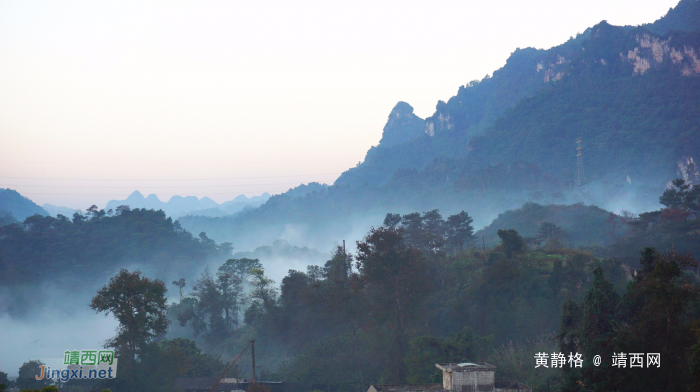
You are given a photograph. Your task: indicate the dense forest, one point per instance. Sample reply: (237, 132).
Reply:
(44, 247)
(420, 289)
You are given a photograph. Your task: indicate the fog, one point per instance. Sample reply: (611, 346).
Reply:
(56, 320)
(43, 322)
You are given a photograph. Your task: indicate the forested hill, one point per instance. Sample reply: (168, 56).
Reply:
(576, 225)
(622, 89)
(45, 248)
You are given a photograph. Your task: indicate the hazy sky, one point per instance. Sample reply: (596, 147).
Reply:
(219, 98)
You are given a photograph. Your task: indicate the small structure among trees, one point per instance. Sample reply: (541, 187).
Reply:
(460, 377)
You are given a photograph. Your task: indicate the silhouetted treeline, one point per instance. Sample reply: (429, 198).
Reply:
(44, 247)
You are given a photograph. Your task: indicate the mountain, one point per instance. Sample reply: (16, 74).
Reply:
(189, 205)
(632, 94)
(242, 201)
(19, 206)
(55, 211)
(175, 206)
(684, 17)
(624, 90)
(410, 142)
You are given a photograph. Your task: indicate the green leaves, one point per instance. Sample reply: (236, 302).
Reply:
(511, 242)
(139, 304)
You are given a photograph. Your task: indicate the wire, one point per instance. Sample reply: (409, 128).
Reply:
(173, 179)
(158, 187)
(31, 203)
(162, 194)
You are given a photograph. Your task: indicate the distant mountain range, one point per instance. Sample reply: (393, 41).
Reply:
(189, 205)
(55, 210)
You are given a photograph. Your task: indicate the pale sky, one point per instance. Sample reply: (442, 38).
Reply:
(219, 98)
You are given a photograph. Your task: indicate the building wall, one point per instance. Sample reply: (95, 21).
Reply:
(447, 380)
(477, 381)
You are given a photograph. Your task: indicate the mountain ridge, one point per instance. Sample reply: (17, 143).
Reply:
(189, 205)
(485, 154)
(527, 72)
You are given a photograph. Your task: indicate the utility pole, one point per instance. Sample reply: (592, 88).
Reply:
(252, 354)
(216, 384)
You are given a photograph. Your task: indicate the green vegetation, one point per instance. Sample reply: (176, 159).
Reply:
(44, 247)
(27, 373)
(656, 314)
(533, 109)
(139, 304)
(418, 291)
(577, 225)
(422, 289)
(675, 227)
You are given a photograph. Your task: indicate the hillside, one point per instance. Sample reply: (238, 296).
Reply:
(632, 71)
(19, 206)
(45, 248)
(582, 225)
(632, 95)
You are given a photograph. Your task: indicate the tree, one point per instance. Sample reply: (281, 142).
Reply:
(425, 351)
(215, 302)
(392, 220)
(264, 291)
(208, 315)
(180, 285)
(682, 196)
(230, 278)
(550, 234)
(433, 227)
(511, 241)
(139, 304)
(412, 225)
(655, 312)
(263, 297)
(598, 329)
(556, 278)
(395, 275)
(569, 342)
(28, 373)
(460, 232)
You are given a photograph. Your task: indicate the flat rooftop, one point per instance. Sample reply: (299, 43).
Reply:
(466, 367)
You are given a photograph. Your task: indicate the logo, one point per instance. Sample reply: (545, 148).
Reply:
(83, 364)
